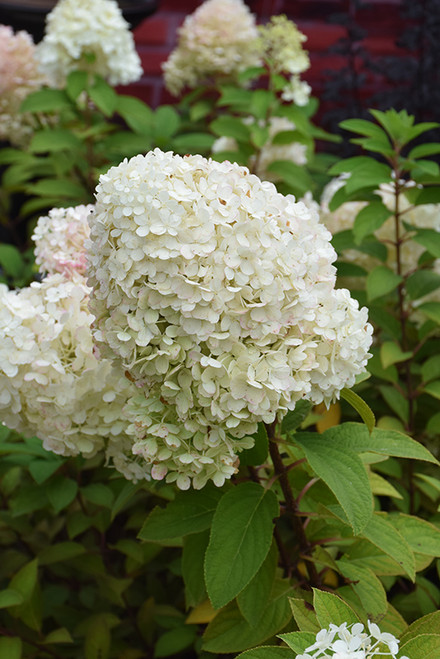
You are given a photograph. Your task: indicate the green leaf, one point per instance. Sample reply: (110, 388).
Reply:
(254, 598)
(61, 492)
(295, 417)
(235, 96)
(369, 219)
(429, 195)
(330, 608)
(239, 543)
(56, 139)
(267, 652)
(97, 641)
(422, 536)
(361, 407)
(429, 624)
(356, 437)
(298, 641)
(430, 240)
(364, 127)
(45, 100)
(229, 631)
(193, 555)
(11, 261)
(260, 102)
(193, 143)
(367, 587)
(431, 310)
(421, 283)
(10, 647)
(190, 512)
(10, 597)
(422, 150)
(396, 401)
(391, 353)
(76, 83)
(230, 127)
(381, 281)
(166, 122)
(343, 472)
(103, 96)
(61, 635)
(433, 389)
(200, 110)
(431, 369)
(138, 116)
(424, 646)
(174, 641)
(258, 453)
(304, 615)
(294, 175)
(60, 552)
(41, 470)
(383, 534)
(99, 494)
(59, 187)
(25, 580)
(124, 496)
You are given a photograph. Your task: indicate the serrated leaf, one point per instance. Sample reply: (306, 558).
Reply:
(422, 150)
(428, 624)
(258, 453)
(396, 401)
(369, 219)
(298, 641)
(239, 542)
(304, 615)
(229, 631)
(193, 555)
(331, 609)
(424, 646)
(343, 472)
(254, 598)
(367, 587)
(355, 436)
(382, 487)
(361, 407)
(363, 127)
(190, 512)
(383, 534)
(422, 536)
(381, 281)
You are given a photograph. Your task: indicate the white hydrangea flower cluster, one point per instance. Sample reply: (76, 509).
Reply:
(59, 240)
(219, 39)
(352, 642)
(216, 294)
(297, 91)
(281, 42)
(343, 218)
(19, 76)
(52, 384)
(294, 152)
(90, 35)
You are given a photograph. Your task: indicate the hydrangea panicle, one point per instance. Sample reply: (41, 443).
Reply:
(19, 76)
(60, 240)
(52, 385)
(352, 642)
(90, 35)
(220, 39)
(216, 294)
(281, 43)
